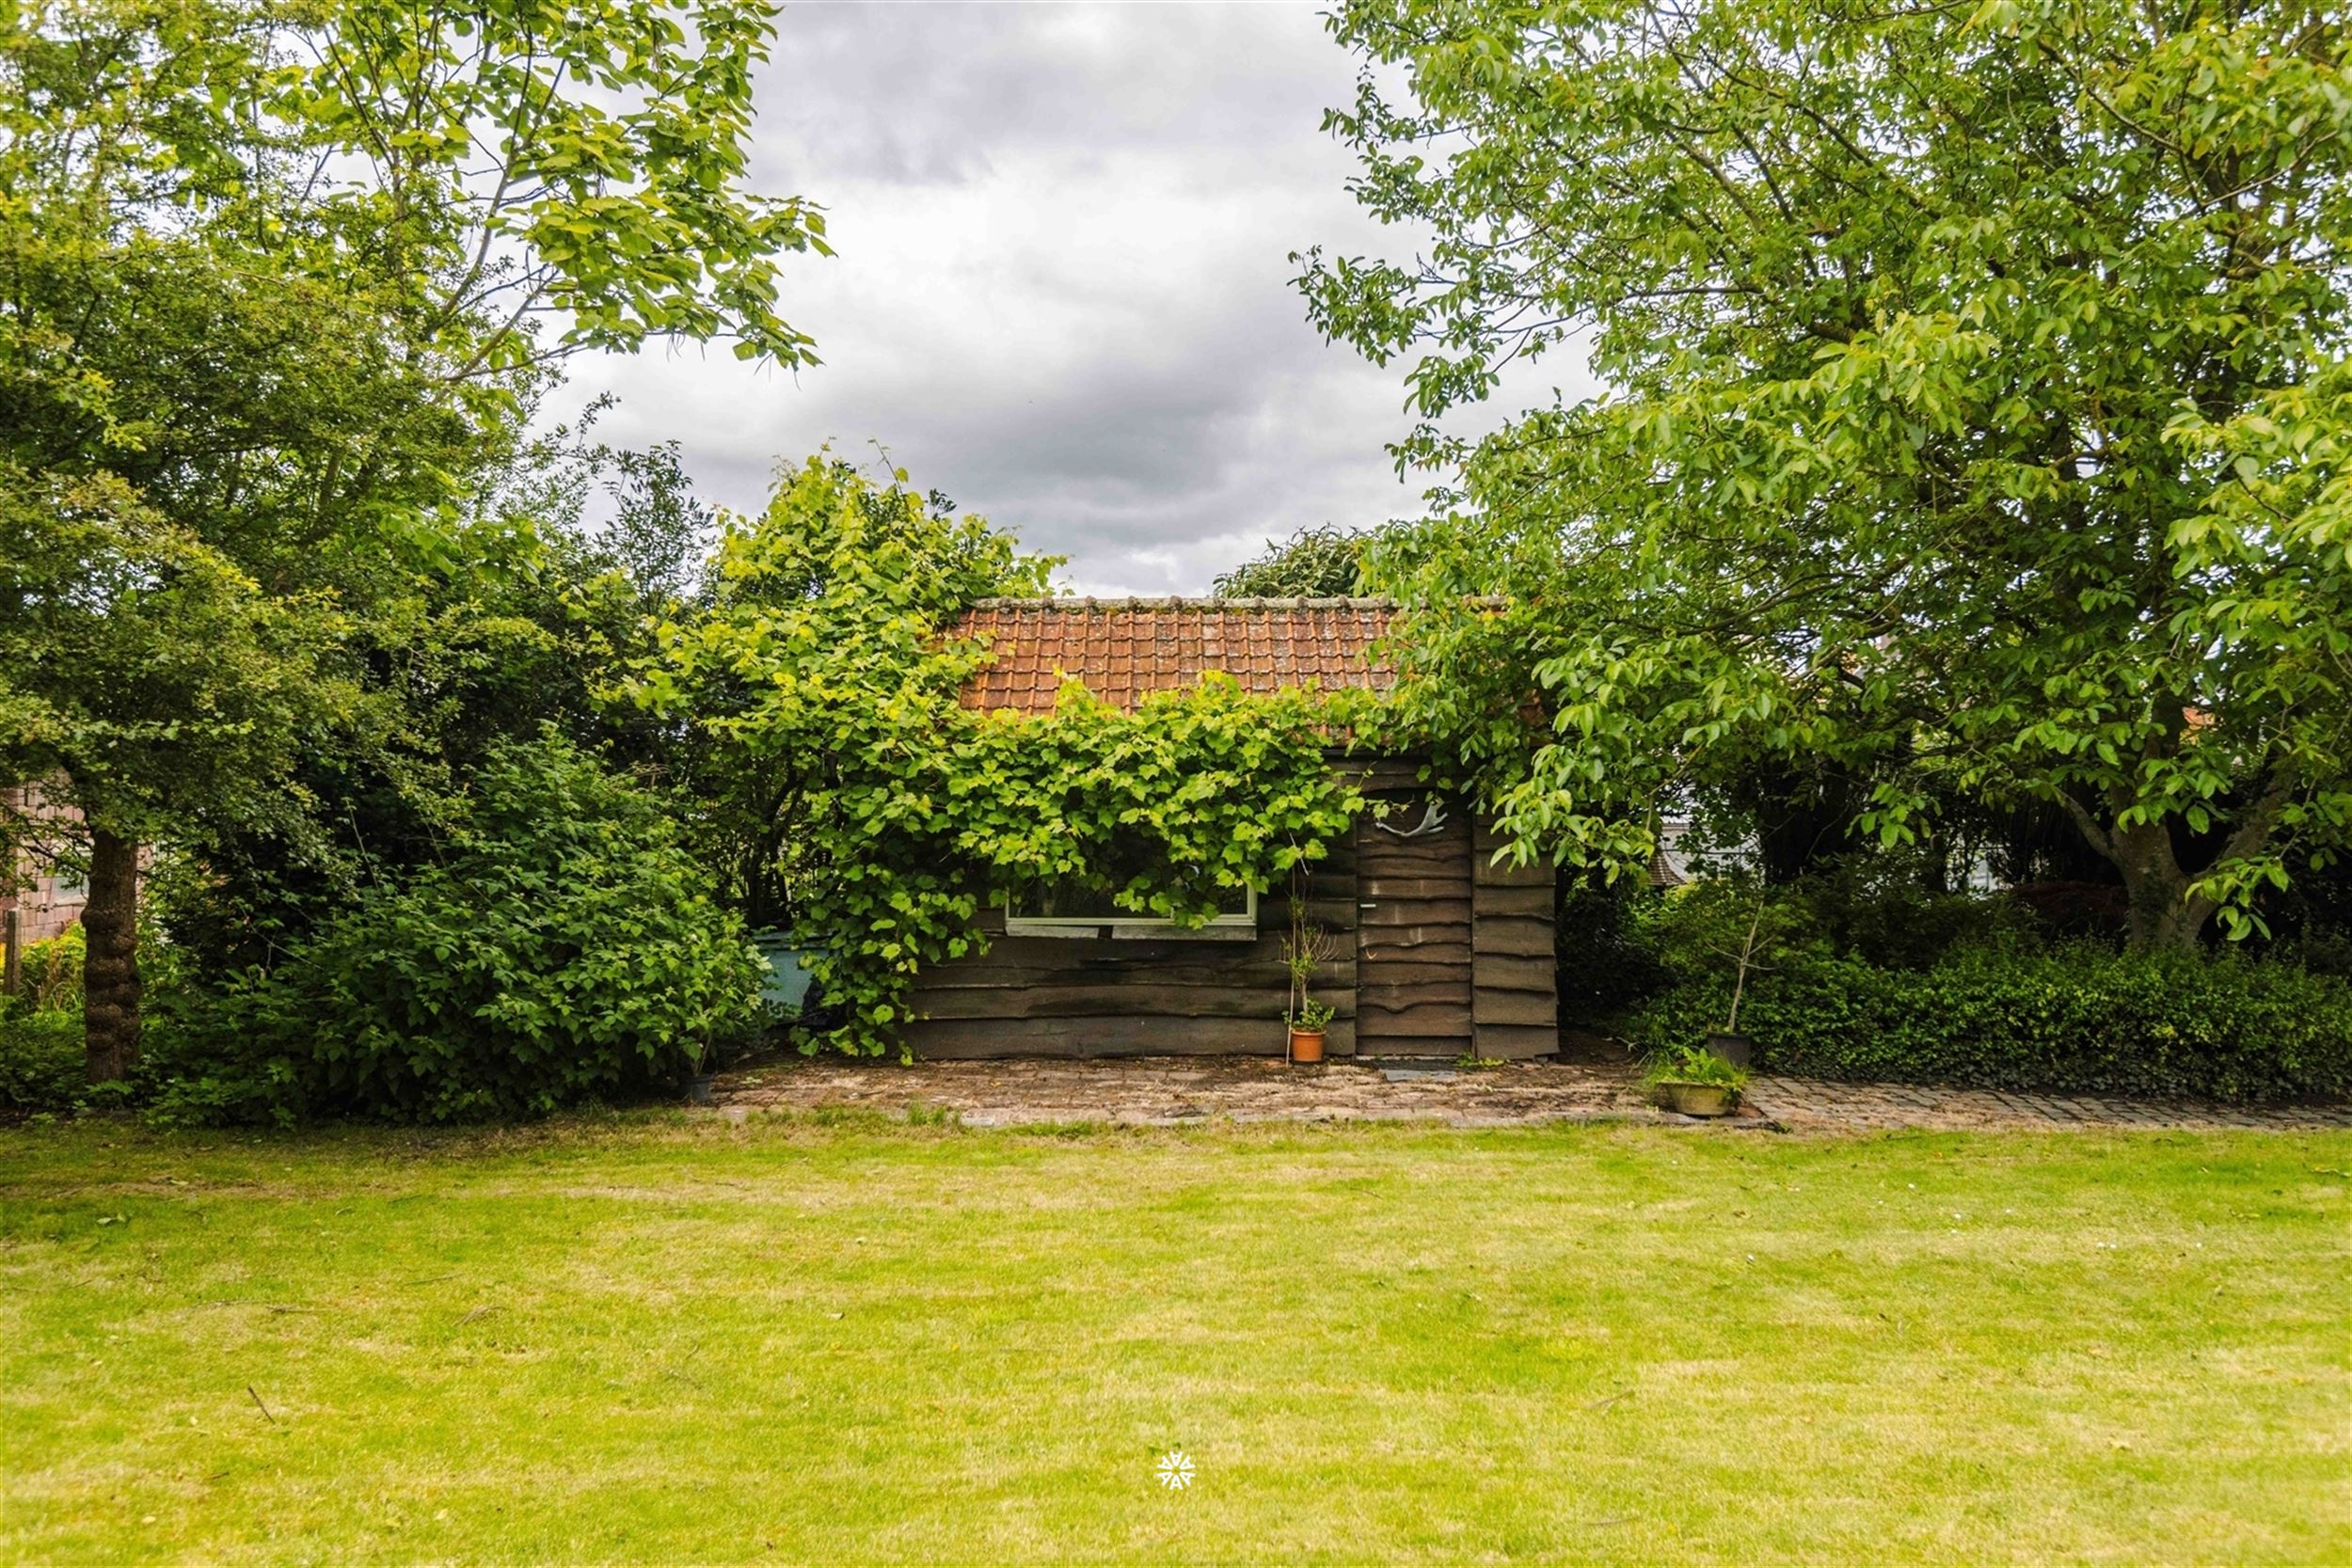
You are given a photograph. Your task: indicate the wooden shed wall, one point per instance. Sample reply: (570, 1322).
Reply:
(1139, 996)
(1515, 985)
(1124, 996)
(1413, 953)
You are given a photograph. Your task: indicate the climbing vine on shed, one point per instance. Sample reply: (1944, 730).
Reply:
(860, 804)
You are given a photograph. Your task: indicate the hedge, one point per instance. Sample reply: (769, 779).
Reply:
(2074, 1018)
(40, 1057)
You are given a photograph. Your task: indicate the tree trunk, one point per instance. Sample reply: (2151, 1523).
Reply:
(110, 971)
(2159, 915)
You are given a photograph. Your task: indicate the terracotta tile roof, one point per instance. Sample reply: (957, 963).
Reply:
(1124, 649)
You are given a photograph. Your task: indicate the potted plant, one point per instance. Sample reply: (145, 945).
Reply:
(1732, 1047)
(1307, 1026)
(1696, 1081)
(702, 1073)
(1306, 949)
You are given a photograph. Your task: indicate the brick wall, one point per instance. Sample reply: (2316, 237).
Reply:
(46, 902)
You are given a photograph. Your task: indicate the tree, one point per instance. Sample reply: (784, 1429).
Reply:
(1323, 563)
(520, 624)
(141, 669)
(528, 615)
(294, 276)
(1976, 424)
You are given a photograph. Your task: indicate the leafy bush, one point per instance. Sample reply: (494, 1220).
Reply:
(42, 1060)
(1606, 965)
(2069, 1019)
(40, 1057)
(1858, 910)
(49, 972)
(567, 948)
(1851, 912)
(1325, 562)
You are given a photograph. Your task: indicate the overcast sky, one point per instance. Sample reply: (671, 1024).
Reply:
(1061, 294)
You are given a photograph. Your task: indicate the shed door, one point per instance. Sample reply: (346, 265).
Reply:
(1413, 931)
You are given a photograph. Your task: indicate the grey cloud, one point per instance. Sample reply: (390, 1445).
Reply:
(1062, 290)
(927, 94)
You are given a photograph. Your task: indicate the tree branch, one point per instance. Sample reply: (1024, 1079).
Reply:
(2092, 830)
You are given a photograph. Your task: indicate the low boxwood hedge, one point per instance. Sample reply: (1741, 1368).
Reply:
(2077, 1019)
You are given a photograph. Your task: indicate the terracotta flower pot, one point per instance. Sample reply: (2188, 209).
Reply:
(1699, 1100)
(1306, 1045)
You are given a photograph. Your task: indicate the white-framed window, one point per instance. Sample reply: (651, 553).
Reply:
(1066, 909)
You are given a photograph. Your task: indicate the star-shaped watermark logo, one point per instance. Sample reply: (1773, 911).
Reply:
(1175, 1470)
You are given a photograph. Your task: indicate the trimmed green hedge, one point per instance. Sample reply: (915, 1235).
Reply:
(2070, 1019)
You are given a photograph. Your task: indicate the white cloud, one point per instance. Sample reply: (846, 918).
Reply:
(1062, 294)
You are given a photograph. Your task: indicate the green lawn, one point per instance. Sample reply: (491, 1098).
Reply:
(652, 1339)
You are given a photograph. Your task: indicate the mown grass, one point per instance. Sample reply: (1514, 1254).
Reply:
(660, 1341)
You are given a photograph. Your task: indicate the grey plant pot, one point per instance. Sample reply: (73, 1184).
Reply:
(1735, 1049)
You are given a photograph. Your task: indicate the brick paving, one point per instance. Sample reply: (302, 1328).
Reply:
(1158, 1091)
(1807, 1105)
(1176, 1091)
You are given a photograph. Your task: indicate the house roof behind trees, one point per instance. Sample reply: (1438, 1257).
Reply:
(1125, 649)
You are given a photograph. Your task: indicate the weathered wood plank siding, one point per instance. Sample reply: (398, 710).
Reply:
(1439, 952)
(1414, 939)
(1139, 996)
(1515, 993)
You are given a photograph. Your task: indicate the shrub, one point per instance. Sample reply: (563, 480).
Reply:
(1857, 910)
(42, 1060)
(2070, 1019)
(40, 1057)
(49, 972)
(568, 949)
(1851, 911)
(1607, 966)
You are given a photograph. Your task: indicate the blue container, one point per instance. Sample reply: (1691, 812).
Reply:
(788, 976)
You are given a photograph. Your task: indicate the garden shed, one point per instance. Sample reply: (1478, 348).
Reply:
(1437, 952)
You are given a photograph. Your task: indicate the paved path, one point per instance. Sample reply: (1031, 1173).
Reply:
(1171, 1091)
(1806, 1104)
